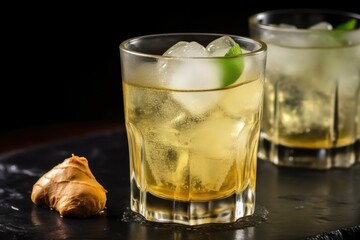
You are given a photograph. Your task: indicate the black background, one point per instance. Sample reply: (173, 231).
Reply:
(60, 62)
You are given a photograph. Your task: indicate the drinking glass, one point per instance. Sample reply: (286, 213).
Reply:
(193, 120)
(311, 99)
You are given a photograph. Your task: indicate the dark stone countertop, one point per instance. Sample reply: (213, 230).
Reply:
(290, 203)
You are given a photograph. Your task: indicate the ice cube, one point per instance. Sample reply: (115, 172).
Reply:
(310, 39)
(220, 46)
(197, 103)
(187, 49)
(187, 73)
(322, 26)
(213, 149)
(167, 158)
(194, 75)
(216, 137)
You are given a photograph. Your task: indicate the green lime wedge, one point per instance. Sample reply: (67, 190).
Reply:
(232, 67)
(348, 25)
(338, 36)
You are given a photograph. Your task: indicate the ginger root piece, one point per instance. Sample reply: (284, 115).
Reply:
(71, 189)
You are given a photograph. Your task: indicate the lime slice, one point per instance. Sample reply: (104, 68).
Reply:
(338, 36)
(348, 25)
(232, 67)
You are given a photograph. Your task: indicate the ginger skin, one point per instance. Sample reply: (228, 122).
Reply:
(71, 189)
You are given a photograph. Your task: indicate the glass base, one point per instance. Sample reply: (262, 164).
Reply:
(323, 158)
(357, 151)
(225, 210)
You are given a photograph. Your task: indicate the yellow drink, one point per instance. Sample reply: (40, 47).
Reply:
(193, 157)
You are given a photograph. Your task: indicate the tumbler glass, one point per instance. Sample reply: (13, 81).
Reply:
(193, 105)
(311, 99)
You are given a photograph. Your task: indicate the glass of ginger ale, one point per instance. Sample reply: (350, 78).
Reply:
(193, 106)
(312, 87)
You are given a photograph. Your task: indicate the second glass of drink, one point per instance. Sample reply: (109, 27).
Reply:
(312, 88)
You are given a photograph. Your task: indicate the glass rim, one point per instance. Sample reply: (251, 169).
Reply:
(257, 17)
(261, 49)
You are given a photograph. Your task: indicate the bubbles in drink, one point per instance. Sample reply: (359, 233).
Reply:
(211, 159)
(167, 157)
(301, 110)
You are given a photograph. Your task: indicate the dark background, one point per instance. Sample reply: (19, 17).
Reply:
(61, 61)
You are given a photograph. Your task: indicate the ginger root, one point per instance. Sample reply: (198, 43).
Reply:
(71, 189)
